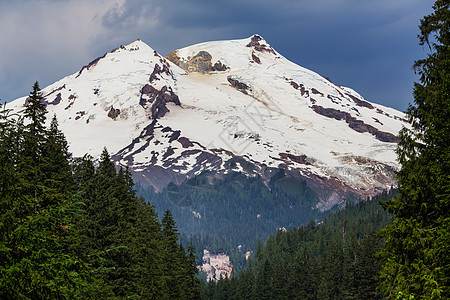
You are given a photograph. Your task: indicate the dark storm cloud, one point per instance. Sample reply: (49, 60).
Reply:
(364, 44)
(367, 45)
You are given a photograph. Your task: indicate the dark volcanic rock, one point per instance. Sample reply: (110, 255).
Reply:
(299, 87)
(240, 86)
(255, 43)
(155, 101)
(219, 66)
(185, 142)
(91, 64)
(295, 158)
(361, 102)
(158, 71)
(316, 92)
(255, 58)
(355, 124)
(113, 113)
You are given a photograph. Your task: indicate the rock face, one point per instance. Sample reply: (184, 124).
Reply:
(201, 62)
(354, 123)
(154, 101)
(113, 113)
(258, 44)
(237, 84)
(216, 265)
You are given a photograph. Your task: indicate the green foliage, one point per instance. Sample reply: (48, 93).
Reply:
(69, 230)
(220, 214)
(35, 216)
(417, 258)
(331, 260)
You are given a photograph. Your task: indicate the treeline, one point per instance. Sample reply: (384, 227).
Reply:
(71, 230)
(235, 208)
(335, 259)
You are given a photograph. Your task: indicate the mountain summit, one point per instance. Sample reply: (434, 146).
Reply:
(226, 106)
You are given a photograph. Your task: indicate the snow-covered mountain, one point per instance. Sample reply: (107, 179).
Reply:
(226, 106)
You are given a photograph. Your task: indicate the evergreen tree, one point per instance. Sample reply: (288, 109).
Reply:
(172, 252)
(417, 257)
(34, 262)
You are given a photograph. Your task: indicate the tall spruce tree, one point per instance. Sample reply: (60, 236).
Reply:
(34, 263)
(417, 257)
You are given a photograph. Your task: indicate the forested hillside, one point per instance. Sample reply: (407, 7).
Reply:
(333, 259)
(221, 213)
(71, 229)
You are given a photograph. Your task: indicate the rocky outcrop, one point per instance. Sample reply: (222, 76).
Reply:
(219, 66)
(255, 43)
(91, 64)
(157, 70)
(216, 265)
(355, 124)
(299, 87)
(201, 62)
(79, 114)
(113, 113)
(173, 57)
(240, 86)
(256, 58)
(154, 101)
(360, 103)
(301, 159)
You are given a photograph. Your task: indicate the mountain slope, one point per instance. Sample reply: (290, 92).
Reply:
(227, 106)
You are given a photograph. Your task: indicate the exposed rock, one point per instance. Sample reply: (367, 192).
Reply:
(255, 58)
(113, 113)
(154, 100)
(327, 78)
(376, 120)
(255, 43)
(355, 124)
(219, 66)
(185, 142)
(216, 265)
(55, 90)
(201, 62)
(168, 153)
(91, 64)
(361, 102)
(72, 99)
(56, 101)
(299, 87)
(173, 57)
(158, 71)
(240, 86)
(79, 114)
(316, 92)
(334, 99)
(295, 158)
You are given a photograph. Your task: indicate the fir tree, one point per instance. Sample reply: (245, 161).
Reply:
(34, 262)
(417, 257)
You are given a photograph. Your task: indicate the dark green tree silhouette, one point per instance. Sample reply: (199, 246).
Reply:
(417, 257)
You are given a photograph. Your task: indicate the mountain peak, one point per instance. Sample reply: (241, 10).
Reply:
(226, 106)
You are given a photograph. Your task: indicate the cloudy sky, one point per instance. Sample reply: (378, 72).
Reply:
(368, 45)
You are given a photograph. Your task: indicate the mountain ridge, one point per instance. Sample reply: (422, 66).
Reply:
(226, 106)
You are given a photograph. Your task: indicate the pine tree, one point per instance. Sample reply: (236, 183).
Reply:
(34, 262)
(417, 257)
(172, 256)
